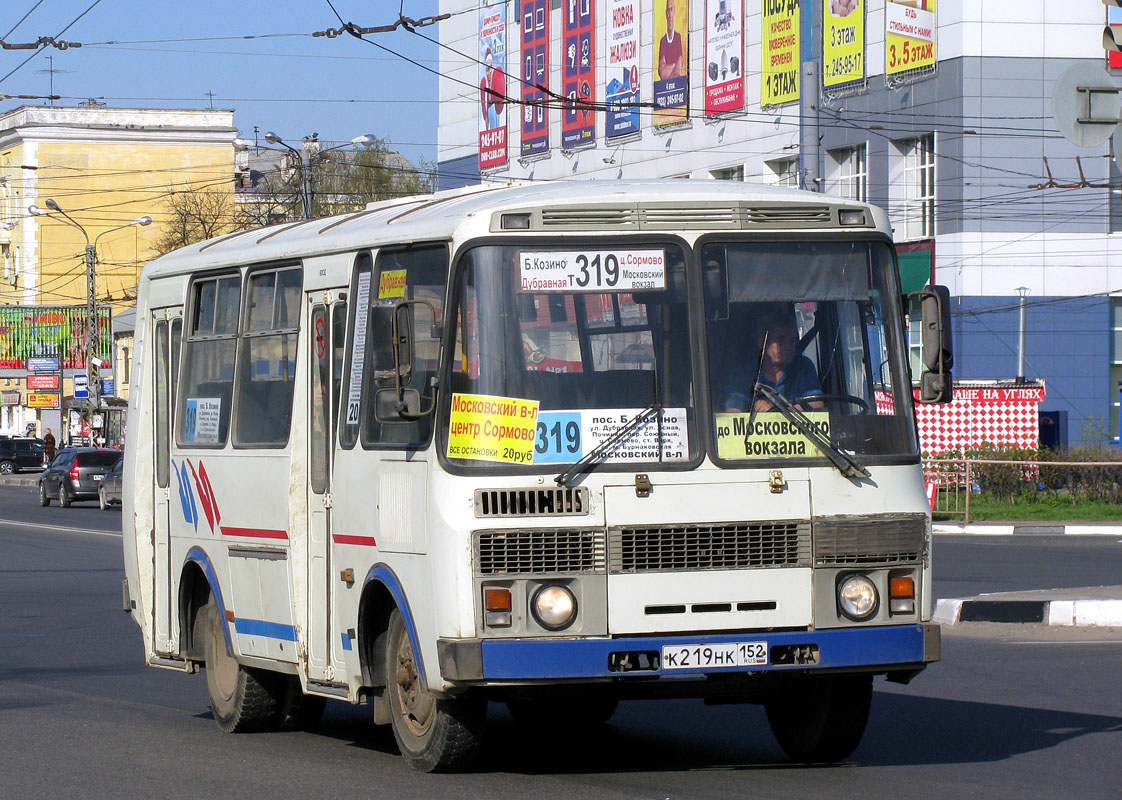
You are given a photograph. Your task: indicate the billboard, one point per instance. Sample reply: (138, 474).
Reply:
(578, 72)
(909, 36)
(535, 73)
(671, 61)
(1114, 17)
(43, 400)
(779, 73)
(31, 335)
(843, 43)
(621, 90)
(492, 84)
(724, 54)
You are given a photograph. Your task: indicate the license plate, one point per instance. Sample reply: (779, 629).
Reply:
(724, 655)
(98, 477)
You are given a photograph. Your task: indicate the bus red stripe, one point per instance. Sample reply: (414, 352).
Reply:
(366, 541)
(260, 533)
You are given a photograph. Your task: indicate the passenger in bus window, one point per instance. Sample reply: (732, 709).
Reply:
(781, 367)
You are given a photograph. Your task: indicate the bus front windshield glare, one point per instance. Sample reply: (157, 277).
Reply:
(589, 335)
(559, 346)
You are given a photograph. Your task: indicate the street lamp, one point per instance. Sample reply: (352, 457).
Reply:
(305, 160)
(93, 364)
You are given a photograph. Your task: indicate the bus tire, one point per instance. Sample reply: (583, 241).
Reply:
(820, 719)
(298, 711)
(433, 734)
(241, 699)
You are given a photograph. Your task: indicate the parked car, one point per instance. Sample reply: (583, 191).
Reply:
(109, 493)
(75, 474)
(20, 453)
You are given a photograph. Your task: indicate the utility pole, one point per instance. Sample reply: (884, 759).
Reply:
(810, 91)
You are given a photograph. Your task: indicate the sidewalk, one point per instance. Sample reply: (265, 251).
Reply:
(1097, 606)
(21, 479)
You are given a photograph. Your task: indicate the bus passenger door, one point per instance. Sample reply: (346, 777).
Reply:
(325, 333)
(167, 331)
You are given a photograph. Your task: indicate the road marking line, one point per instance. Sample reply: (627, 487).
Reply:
(1078, 641)
(58, 528)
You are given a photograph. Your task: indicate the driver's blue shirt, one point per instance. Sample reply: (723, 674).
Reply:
(800, 379)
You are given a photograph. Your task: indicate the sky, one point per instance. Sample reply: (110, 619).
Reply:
(258, 58)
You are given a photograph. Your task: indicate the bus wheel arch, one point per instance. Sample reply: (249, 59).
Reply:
(194, 594)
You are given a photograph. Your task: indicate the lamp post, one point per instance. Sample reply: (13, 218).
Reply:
(1022, 291)
(305, 161)
(93, 363)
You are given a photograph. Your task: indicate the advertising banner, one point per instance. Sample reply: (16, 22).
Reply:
(779, 73)
(843, 43)
(671, 61)
(38, 383)
(535, 73)
(621, 91)
(492, 84)
(49, 338)
(578, 72)
(724, 52)
(1114, 17)
(43, 400)
(909, 35)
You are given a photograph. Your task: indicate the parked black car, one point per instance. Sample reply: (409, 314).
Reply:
(109, 493)
(75, 474)
(19, 453)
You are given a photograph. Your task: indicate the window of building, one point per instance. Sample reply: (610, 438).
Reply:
(1115, 360)
(209, 354)
(267, 356)
(784, 172)
(728, 174)
(850, 178)
(917, 202)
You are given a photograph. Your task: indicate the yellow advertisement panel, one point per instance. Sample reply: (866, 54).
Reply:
(489, 428)
(780, 73)
(43, 400)
(843, 42)
(772, 436)
(909, 35)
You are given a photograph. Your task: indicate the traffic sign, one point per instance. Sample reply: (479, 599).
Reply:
(107, 386)
(81, 385)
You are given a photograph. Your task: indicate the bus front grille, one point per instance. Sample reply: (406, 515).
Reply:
(858, 540)
(533, 502)
(539, 552)
(733, 545)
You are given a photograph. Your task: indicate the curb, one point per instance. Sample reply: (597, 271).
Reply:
(1063, 613)
(1014, 530)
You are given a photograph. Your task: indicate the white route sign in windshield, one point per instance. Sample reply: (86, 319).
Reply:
(592, 271)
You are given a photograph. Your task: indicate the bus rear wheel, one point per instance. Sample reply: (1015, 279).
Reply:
(241, 699)
(820, 719)
(433, 734)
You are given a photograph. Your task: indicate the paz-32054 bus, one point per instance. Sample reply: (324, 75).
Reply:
(553, 445)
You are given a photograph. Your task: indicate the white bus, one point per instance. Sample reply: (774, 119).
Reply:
(552, 445)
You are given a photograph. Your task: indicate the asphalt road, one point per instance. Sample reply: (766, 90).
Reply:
(1011, 711)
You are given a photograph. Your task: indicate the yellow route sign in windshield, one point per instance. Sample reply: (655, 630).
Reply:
(773, 436)
(490, 428)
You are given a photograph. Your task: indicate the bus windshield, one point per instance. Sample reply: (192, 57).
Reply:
(594, 334)
(815, 323)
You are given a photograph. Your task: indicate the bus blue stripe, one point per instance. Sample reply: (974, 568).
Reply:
(270, 630)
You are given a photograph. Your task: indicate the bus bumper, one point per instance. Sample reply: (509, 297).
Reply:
(887, 648)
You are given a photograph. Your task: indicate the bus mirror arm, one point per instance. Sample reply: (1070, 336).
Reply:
(405, 402)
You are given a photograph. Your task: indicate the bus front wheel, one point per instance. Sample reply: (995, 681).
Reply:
(241, 699)
(822, 718)
(433, 734)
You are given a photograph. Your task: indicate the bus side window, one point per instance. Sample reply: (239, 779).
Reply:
(209, 354)
(350, 393)
(418, 273)
(267, 355)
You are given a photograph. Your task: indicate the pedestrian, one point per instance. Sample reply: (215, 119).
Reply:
(49, 446)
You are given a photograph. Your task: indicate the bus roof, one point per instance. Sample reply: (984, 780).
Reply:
(547, 206)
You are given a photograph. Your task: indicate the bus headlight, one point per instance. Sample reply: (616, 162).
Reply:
(857, 597)
(554, 607)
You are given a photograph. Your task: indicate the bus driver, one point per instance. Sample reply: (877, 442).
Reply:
(781, 367)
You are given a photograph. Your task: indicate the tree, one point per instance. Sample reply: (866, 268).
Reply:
(194, 215)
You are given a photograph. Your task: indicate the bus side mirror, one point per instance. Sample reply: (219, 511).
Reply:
(393, 354)
(935, 382)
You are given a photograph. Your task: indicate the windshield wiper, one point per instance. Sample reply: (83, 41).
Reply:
(654, 409)
(847, 465)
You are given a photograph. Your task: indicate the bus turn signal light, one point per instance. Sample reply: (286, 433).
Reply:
(902, 594)
(496, 608)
